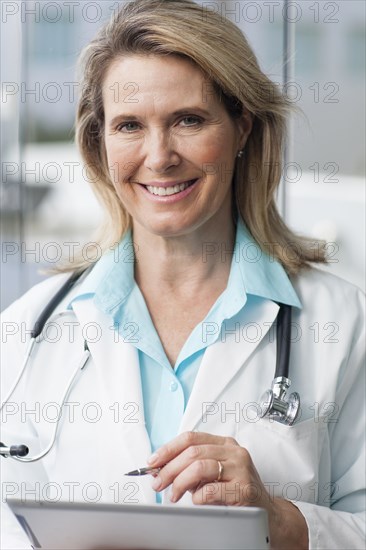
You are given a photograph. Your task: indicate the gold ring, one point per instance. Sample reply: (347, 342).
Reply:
(221, 471)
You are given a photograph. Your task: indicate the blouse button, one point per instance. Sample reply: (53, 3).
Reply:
(173, 386)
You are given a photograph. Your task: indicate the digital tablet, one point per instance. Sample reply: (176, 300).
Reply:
(81, 526)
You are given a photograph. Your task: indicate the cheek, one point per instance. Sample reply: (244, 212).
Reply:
(120, 161)
(218, 164)
(218, 149)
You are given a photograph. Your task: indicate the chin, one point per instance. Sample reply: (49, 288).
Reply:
(171, 227)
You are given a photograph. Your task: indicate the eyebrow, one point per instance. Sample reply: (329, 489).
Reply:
(180, 112)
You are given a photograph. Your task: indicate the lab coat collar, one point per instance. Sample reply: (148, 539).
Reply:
(223, 359)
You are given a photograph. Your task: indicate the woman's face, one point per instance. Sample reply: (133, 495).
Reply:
(171, 145)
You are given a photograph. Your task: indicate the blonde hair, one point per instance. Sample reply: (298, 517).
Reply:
(218, 47)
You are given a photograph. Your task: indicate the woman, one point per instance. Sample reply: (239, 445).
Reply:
(183, 135)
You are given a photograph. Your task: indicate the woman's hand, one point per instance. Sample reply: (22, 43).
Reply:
(191, 462)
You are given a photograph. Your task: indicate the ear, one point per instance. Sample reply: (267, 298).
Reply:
(244, 126)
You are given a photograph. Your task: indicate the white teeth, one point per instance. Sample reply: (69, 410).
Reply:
(163, 191)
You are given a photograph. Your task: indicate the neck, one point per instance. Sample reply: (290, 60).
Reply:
(184, 262)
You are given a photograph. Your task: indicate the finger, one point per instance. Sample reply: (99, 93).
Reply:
(169, 473)
(194, 476)
(224, 493)
(183, 441)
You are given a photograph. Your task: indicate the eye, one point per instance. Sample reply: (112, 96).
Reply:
(191, 120)
(127, 127)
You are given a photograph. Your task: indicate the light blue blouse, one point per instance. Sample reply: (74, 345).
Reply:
(166, 390)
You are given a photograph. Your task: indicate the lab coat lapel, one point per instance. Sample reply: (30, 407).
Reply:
(223, 359)
(120, 382)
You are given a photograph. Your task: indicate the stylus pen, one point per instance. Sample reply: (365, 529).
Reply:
(143, 471)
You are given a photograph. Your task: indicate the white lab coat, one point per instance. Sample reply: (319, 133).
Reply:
(319, 463)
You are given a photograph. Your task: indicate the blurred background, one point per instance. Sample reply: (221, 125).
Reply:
(47, 208)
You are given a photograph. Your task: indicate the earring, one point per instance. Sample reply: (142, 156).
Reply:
(240, 154)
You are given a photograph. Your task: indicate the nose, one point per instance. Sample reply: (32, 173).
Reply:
(161, 152)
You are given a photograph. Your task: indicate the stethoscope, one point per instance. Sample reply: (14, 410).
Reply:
(273, 402)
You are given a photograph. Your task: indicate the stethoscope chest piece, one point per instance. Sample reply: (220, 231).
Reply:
(274, 404)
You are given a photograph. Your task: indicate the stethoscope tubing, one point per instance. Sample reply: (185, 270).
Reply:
(36, 337)
(43, 319)
(53, 303)
(81, 365)
(283, 322)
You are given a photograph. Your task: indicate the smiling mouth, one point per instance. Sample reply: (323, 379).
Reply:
(165, 191)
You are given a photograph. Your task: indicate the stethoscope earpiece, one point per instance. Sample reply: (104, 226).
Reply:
(13, 450)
